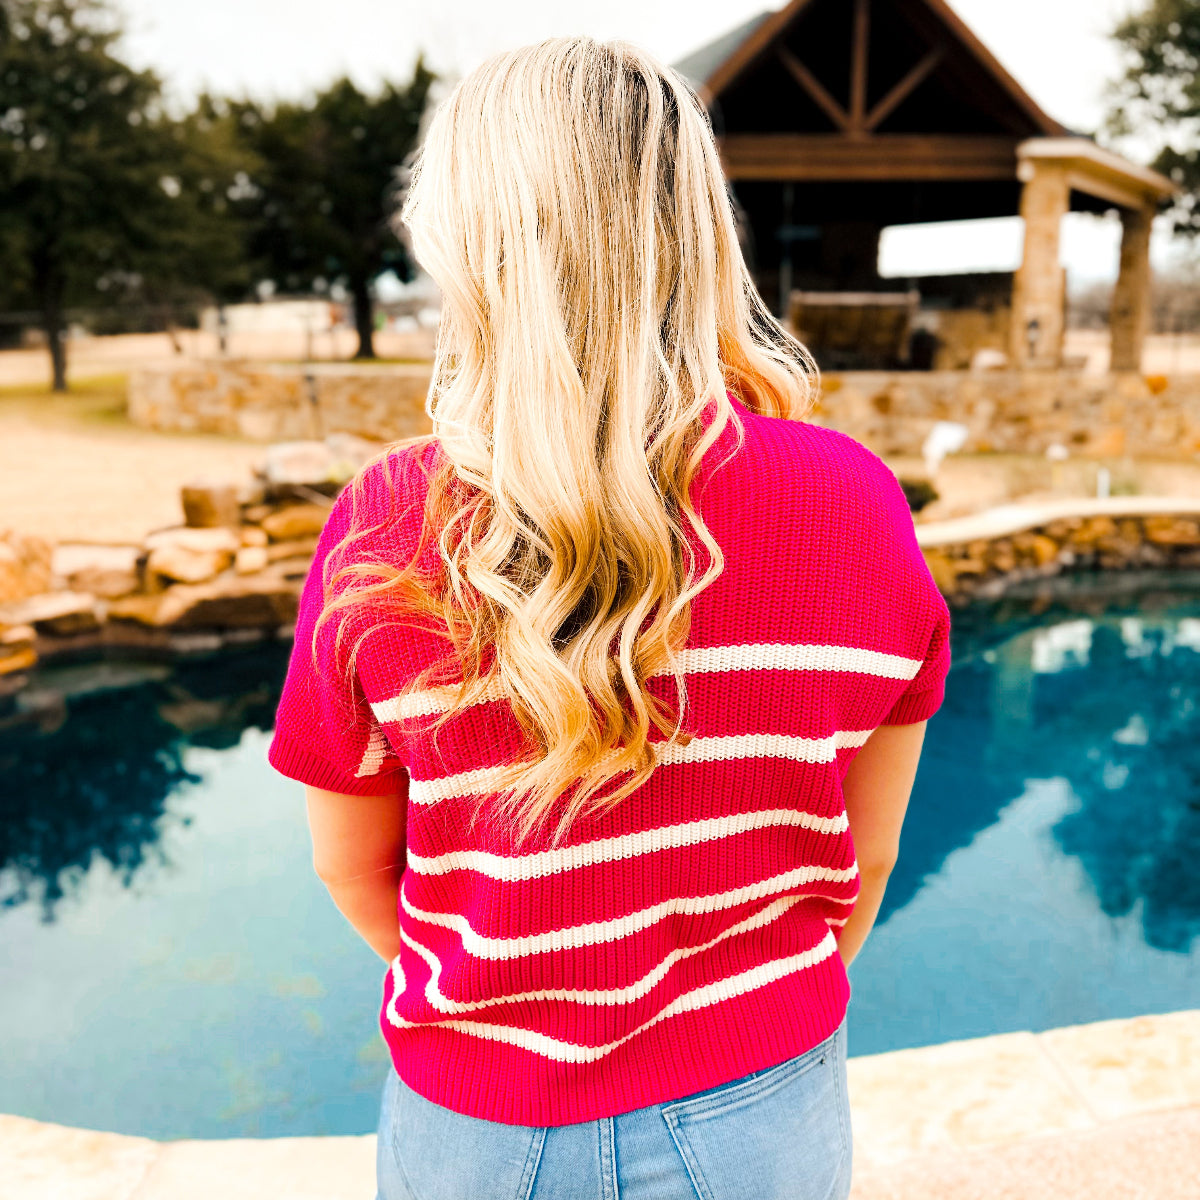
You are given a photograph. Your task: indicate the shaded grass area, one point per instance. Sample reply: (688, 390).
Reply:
(97, 400)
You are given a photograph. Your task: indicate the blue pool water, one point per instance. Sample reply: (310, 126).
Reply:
(170, 966)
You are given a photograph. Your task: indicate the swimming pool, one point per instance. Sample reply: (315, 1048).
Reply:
(171, 966)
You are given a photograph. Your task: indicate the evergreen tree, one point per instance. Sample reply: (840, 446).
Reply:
(102, 193)
(326, 187)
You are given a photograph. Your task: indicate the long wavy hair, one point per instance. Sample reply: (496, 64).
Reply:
(569, 202)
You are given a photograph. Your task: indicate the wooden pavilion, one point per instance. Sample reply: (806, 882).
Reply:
(837, 118)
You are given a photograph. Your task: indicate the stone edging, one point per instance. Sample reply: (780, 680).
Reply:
(984, 555)
(196, 589)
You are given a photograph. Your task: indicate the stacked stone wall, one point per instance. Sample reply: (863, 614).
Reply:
(1013, 412)
(987, 567)
(1018, 412)
(278, 402)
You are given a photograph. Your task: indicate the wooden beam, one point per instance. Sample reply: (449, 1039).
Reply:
(813, 86)
(835, 158)
(858, 65)
(904, 88)
(934, 18)
(758, 43)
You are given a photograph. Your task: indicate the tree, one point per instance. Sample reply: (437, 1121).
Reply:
(101, 191)
(326, 187)
(1158, 95)
(201, 251)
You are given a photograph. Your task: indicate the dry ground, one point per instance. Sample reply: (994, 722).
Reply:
(89, 357)
(72, 468)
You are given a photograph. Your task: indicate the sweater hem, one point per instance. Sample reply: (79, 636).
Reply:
(690, 1053)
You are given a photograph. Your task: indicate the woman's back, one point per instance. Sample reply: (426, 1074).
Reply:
(688, 934)
(618, 871)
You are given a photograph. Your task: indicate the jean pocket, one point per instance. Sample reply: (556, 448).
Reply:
(782, 1133)
(435, 1153)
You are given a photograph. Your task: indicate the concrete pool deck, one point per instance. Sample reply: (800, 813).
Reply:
(1109, 1109)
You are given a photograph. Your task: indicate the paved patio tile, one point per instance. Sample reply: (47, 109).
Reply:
(1152, 1157)
(958, 1096)
(41, 1161)
(1140, 1065)
(315, 1168)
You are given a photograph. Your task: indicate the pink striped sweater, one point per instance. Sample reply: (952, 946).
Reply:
(688, 936)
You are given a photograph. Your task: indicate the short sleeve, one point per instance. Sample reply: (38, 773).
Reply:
(325, 733)
(917, 604)
(927, 689)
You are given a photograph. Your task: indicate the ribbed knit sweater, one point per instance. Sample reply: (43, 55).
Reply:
(687, 936)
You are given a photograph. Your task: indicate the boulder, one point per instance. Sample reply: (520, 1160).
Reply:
(297, 462)
(108, 585)
(293, 548)
(210, 505)
(262, 600)
(194, 539)
(18, 659)
(25, 565)
(1036, 548)
(187, 566)
(256, 513)
(17, 652)
(190, 555)
(296, 567)
(59, 614)
(1093, 531)
(1172, 531)
(141, 609)
(250, 559)
(942, 569)
(314, 464)
(295, 521)
(106, 571)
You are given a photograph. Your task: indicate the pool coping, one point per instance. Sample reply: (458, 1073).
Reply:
(1096, 1110)
(1016, 517)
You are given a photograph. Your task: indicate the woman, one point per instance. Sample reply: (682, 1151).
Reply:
(609, 696)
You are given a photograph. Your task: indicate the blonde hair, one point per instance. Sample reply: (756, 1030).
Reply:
(569, 202)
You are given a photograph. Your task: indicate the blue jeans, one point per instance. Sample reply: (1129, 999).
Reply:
(782, 1133)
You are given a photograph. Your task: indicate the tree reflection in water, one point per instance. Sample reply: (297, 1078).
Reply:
(1131, 721)
(1100, 689)
(89, 755)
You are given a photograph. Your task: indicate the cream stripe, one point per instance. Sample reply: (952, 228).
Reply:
(770, 656)
(571, 1052)
(575, 936)
(611, 996)
(706, 749)
(510, 869)
(767, 656)
(373, 755)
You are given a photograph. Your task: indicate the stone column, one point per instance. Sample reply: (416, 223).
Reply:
(1039, 290)
(1129, 317)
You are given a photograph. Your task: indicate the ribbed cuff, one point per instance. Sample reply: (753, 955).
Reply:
(293, 760)
(915, 707)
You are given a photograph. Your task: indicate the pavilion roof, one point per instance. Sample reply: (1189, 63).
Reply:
(886, 89)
